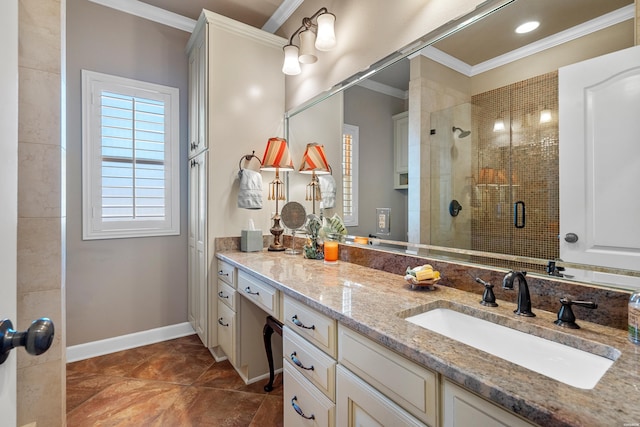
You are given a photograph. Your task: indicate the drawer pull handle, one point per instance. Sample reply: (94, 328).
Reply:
(221, 322)
(248, 290)
(299, 324)
(299, 411)
(221, 295)
(222, 273)
(298, 363)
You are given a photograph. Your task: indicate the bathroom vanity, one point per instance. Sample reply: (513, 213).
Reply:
(372, 365)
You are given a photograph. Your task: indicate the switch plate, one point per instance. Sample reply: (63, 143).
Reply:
(383, 221)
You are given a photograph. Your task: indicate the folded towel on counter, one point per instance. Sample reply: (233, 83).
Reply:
(327, 191)
(250, 194)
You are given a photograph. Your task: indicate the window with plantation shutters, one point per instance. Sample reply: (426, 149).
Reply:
(350, 135)
(130, 158)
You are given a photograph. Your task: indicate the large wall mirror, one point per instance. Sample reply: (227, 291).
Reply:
(461, 140)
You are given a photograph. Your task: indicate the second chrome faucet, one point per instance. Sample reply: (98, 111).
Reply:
(524, 299)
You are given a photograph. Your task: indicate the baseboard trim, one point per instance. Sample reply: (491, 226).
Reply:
(125, 342)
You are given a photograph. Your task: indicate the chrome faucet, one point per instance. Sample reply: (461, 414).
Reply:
(524, 299)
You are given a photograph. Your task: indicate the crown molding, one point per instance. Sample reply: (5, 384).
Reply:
(282, 13)
(385, 89)
(243, 30)
(602, 22)
(152, 13)
(447, 60)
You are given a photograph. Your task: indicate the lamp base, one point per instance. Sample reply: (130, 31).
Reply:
(277, 231)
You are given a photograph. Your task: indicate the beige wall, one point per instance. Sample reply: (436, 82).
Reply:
(372, 112)
(367, 31)
(41, 213)
(120, 286)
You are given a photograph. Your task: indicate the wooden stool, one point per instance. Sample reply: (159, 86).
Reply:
(272, 325)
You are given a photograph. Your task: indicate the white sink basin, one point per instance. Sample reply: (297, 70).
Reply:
(569, 365)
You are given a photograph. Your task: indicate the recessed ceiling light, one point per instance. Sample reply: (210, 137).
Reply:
(527, 27)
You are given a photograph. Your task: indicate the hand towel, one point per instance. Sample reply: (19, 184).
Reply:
(250, 193)
(327, 191)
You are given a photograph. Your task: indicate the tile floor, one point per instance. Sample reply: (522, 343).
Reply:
(172, 383)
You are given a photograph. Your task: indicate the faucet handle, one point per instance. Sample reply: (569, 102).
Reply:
(488, 297)
(566, 318)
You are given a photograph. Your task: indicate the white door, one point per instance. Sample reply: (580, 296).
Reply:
(8, 195)
(600, 163)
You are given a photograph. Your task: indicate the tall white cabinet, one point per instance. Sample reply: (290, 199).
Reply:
(236, 103)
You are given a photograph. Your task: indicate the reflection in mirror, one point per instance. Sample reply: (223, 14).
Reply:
(474, 119)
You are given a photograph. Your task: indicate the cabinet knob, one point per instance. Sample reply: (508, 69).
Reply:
(221, 322)
(248, 290)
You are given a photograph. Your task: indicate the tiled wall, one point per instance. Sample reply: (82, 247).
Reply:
(40, 287)
(517, 164)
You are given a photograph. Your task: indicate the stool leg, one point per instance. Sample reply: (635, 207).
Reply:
(272, 325)
(267, 331)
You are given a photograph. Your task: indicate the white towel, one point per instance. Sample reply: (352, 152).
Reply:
(328, 191)
(250, 193)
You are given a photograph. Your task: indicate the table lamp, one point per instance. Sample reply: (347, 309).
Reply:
(314, 162)
(276, 157)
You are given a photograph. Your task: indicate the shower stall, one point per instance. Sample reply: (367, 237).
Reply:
(497, 157)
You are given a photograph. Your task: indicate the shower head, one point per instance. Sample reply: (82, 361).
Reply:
(463, 133)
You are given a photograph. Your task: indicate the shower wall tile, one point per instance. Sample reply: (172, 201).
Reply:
(517, 164)
(35, 305)
(39, 254)
(39, 107)
(39, 180)
(39, 34)
(41, 394)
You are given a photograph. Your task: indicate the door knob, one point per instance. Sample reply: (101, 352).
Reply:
(571, 237)
(36, 340)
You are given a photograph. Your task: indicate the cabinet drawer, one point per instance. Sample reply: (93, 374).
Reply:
(411, 386)
(227, 273)
(312, 363)
(358, 404)
(463, 408)
(312, 325)
(303, 401)
(227, 295)
(262, 294)
(226, 325)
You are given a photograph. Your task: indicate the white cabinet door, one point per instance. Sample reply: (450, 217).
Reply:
(401, 150)
(359, 404)
(600, 162)
(197, 96)
(197, 236)
(462, 408)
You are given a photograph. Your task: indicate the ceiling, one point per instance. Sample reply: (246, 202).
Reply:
(494, 35)
(252, 12)
(482, 41)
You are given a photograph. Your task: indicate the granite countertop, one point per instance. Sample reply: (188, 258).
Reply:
(374, 303)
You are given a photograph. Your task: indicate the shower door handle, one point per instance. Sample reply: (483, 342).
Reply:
(519, 221)
(36, 340)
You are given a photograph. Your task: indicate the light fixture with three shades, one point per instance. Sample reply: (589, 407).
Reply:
(319, 35)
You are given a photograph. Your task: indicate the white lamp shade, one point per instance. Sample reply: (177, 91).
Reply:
(307, 49)
(326, 38)
(498, 125)
(291, 66)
